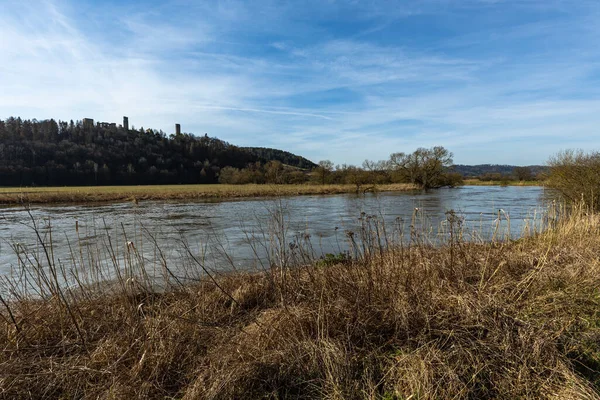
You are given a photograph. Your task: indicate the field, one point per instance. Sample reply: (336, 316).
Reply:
(508, 319)
(172, 192)
(477, 182)
(91, 194)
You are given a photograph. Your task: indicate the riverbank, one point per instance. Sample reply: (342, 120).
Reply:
(97, 194)
(468, 320)
(477, 182)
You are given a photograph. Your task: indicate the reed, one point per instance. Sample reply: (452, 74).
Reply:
(404, 313)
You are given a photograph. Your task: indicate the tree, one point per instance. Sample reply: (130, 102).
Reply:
(423, 167)
(523, 173)
(376, 171)
(274, 172)
(324, 170)
(357, 177)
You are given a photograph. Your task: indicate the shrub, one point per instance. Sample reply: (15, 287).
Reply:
(576, 175)
(523, 173)
(451, 179)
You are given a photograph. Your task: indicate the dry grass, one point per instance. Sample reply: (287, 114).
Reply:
(465, 321)
(87, 194)
(477, 182)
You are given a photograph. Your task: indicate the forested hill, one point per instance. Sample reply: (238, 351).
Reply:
(485, 169)
(284, 157)
(49, 153)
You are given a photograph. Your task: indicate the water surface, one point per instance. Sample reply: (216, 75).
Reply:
(242, 233)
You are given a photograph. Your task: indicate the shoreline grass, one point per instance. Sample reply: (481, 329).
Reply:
(92, 194)
(104, 194)
(514, 319)
(477, 182)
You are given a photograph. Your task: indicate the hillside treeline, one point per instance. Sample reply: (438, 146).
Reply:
(495, 172)
(48, 153)
(426, 168)
(284, 157)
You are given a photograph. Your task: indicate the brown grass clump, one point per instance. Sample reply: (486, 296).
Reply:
(465, 321)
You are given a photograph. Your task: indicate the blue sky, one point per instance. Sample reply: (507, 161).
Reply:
(494, 81)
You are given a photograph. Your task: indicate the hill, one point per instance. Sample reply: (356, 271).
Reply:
(51, 153)
(284, 157)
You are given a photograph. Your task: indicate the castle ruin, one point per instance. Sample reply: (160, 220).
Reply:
(88, 123)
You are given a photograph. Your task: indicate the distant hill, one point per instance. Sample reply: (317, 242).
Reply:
(471, 171)
(61, 153)
(284, 157)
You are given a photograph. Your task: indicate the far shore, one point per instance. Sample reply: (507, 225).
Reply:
(98, 194)
(101, 194)
(477, 182)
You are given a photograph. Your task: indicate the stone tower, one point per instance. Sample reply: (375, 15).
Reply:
(178, 129)
(126, 123)
(88, 123)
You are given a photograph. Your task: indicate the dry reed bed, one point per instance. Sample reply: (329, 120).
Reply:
(14, 196)
(465, 321)
(477, 182)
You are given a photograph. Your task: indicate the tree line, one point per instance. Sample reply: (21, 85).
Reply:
(494, 172)
(426, 168)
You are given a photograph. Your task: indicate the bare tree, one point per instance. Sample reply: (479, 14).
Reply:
(324, 170)
(423, 167)
(523, 173)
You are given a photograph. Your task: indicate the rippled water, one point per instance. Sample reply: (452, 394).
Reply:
(227, 234)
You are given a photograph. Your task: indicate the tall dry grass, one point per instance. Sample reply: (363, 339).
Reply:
(391, 320)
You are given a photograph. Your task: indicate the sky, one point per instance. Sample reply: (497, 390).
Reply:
(493, 81)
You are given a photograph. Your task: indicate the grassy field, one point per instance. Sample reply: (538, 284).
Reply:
(477, 182)
(172, 192)
(90, 194)
(507, 320)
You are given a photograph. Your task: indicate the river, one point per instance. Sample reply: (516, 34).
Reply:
(246, 233)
